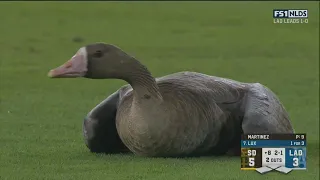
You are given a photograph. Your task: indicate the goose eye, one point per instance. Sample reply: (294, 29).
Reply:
(98, 54)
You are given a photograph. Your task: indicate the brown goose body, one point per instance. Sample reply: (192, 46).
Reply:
(181, 114)
(196, 112)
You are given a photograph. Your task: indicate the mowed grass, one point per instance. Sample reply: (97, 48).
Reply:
(41, 118)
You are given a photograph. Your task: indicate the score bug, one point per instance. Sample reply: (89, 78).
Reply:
(287, 151)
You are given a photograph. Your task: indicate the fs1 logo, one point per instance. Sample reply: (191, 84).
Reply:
(287, 13)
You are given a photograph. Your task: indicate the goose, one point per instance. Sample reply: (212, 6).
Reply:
(177, 115)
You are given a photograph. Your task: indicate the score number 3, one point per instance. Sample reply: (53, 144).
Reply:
(295, 162)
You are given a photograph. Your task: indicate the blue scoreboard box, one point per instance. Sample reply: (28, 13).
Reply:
(284, 152)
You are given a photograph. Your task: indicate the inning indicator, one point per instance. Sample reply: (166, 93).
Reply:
(266, 152)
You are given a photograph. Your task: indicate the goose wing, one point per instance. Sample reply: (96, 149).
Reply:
(99, 128)
(264, 113)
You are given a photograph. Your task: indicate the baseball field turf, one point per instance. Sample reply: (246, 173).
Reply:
(41, 118)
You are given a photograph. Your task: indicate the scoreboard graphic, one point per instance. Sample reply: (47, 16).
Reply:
(267, 152)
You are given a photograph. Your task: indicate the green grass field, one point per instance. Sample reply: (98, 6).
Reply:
(41, 118)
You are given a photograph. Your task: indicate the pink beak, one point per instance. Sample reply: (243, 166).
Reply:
(75, 67)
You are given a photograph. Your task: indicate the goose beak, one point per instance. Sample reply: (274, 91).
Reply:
(75, 67)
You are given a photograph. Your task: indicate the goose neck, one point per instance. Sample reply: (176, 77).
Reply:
(143, 84)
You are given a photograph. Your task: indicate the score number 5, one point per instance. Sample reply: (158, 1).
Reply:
(251, 162)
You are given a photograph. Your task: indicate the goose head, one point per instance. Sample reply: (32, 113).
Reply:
(96, 61)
